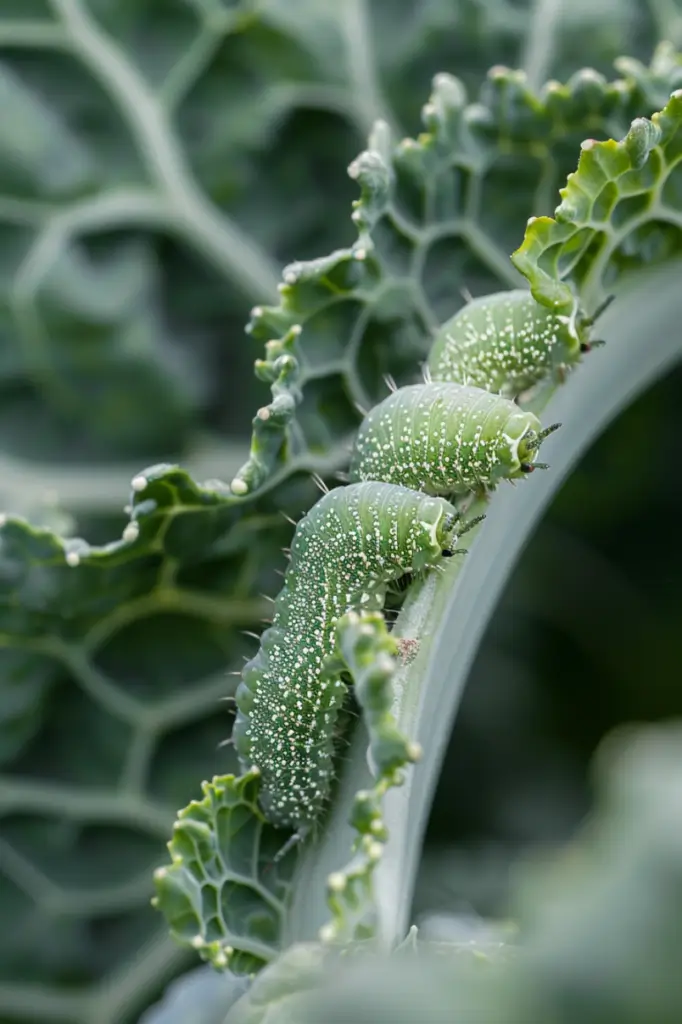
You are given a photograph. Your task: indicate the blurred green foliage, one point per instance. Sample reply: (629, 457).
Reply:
(599, 937)
(159, 161)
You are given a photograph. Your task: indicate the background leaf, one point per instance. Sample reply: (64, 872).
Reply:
(201, 996)
(598, 939)
(249, 114)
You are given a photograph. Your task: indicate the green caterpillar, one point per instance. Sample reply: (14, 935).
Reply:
(344, 553)
(507, 342)
(446, 439)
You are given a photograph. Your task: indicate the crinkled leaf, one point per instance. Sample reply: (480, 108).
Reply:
(367, 652)
(224, 894)
(350, 890)
(114, 664)
(620, 210)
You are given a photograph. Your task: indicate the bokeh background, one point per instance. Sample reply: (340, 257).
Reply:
(160, 161)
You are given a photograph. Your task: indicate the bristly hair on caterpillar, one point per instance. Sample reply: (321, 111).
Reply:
(345, 552)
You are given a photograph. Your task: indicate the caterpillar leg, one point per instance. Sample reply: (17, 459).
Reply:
(292, 841)
(398, 587)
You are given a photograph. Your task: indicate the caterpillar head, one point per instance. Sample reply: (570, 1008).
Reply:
(449, 528)
(438, 521)
(575, 332)
(519, 444)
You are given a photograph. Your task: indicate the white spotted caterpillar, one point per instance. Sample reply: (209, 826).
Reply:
(446, 439)
(507, 342)
(345, 551)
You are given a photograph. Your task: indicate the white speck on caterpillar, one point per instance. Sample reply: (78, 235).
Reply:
(73, 559)
(138, 483)
(239, 486)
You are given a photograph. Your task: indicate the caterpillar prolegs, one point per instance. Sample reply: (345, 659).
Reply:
(345, 552)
